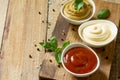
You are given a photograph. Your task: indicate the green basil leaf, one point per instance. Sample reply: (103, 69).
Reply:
(58, 57)
(52, 45)
(47, 46)
(53, 42)
(65, 44)
(78, 4)
(103, 14)
(58, 50)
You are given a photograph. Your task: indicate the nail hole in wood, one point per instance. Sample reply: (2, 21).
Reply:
(43, 21)
(38, 49)
(61, 4)
(58, 66)
(62, 39)
(40, 65)
(39, 12)
(53, 10)
(73, 29)
(30, 56)
(48, 39)
(35, 45)
(103, 49)
(50, 60)
(106, 57)
(63, 33)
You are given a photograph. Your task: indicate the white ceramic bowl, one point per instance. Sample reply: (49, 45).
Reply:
(73, 45)
(78, 22)
(104, 25)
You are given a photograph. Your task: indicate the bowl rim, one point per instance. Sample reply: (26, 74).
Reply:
(78, 44)
(79, 21)
(115, 31)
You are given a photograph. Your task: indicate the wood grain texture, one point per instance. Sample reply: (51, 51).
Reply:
(3, 12)
(53, 11)
(114, 1)
(25, 26)
(115, 69)
(63, 29)
(104, 70)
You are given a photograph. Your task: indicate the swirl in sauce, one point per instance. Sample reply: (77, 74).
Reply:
(80, 60)
(70, 12)
(97, 33)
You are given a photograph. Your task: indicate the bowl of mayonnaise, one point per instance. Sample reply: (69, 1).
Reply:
(98, 33)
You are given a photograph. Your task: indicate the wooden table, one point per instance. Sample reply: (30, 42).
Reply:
(23, 24)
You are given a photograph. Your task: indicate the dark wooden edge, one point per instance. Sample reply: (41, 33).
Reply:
(115, 69)
(60, 30)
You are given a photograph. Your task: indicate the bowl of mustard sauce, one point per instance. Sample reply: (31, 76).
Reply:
(76, 17)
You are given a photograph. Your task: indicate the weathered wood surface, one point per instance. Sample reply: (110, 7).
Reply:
(3, 12)
(115, 70)
(25, 25)
(52, 71)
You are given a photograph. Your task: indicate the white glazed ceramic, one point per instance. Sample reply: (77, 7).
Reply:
(78, 22)
(113, 30)
(79, 45)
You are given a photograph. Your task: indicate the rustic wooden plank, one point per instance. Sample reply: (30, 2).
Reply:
(54, 8)
(114, 73)
(115, 70)
(25, 26)
(114, 1)
(63, 29)
(103, 72)
(3, 12)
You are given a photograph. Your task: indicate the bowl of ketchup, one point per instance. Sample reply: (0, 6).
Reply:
(80, 60)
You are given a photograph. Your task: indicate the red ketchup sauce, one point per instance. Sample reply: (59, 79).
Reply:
(80, 60)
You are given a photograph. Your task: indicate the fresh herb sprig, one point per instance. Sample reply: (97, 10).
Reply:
(78, 4)
(52, 45)
(103, 13)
